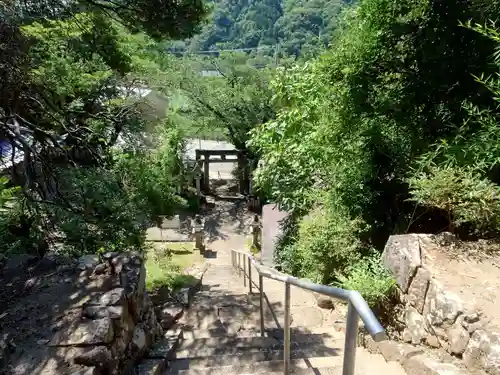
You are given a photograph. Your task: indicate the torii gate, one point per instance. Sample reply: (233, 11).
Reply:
(205, 157)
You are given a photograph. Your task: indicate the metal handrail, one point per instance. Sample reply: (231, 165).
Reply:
(357, 307)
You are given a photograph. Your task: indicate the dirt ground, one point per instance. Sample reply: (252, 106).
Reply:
(38, 299)
(472, 271)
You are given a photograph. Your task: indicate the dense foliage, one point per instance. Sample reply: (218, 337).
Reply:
(70, 115)
(290, 27)
(372, 132)
(236, 100)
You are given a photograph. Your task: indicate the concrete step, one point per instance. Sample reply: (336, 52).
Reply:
(232, 365)
(297, 371)
(307, 345)
(271, 362)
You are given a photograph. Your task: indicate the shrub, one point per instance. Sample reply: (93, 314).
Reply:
(370, 278)
(462, 194)
(327, 241)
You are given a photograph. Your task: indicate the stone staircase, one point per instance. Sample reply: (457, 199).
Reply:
(220, 334)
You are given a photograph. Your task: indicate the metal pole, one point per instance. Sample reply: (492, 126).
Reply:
(244, 271)
(261, 296)
(351, 338)
(249, 275)
(286, 358)
(239, 265)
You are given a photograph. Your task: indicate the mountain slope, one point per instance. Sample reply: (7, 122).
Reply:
(295, 27)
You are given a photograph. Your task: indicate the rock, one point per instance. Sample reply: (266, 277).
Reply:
(121, 342)
(139, 342)
(458, 338)
(164, 348)
(432, 341)
(100, 268)
(5, 348)
(87, 371)
(324, 302)
(169, 314)
(99, 312)
(483, 351)
(92, 332)
(422, 365)
(399, 352)
(446, 238)
(415, 326)
(418, 289)
(97, 356)
(184, 295)
(402, 257)
(119, 262)
(88, 262)
(471, 328)
(442, 307)
(114, 297)
(471, 318)
(150, 367)
(172, 309)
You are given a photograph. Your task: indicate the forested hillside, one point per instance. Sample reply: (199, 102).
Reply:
(292, 27)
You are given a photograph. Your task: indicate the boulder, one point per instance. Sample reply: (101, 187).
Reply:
(483, 351)
(87, 371)
(88, 262)
(97, 356)
(458, 337)
(99, 312)
(139, 342)
(415, 326)
(92, 332)
(418, 289)
(402, 257)
(442, 307)
(151, 367)
(169, 313)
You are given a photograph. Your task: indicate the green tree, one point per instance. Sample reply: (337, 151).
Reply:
(66, 103)
(235, 100)
(353, 124)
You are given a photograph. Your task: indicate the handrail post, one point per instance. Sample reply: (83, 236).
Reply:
(244, 271)
(249, 275)
(239, 264)
(261, 296)
(351, 338)
(286, 348)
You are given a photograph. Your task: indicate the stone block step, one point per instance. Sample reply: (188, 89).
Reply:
(263, 352)
(230, 342)
(249, 356)
(299, 371)
(187, 367)
(271, 362)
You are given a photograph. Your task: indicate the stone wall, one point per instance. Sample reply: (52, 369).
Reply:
(114, 326)
(432, 315)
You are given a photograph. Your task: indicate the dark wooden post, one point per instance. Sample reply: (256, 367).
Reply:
(206, 172)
